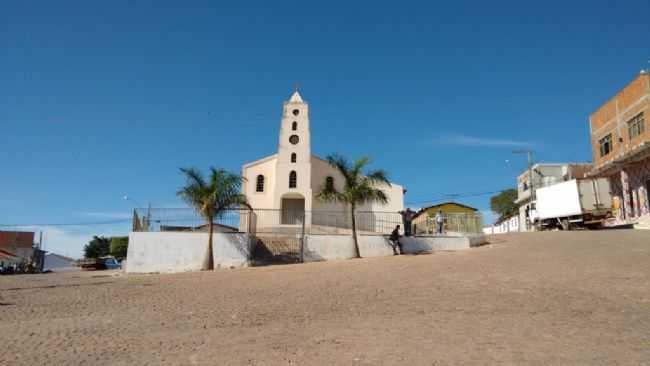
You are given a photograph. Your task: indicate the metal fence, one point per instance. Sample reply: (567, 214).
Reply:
(461, 223)
(292, 222)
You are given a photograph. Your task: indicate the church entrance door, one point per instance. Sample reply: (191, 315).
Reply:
(293, 211)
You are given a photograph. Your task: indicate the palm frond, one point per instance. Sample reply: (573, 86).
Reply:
(328, 193)
(378, 177)
(341, 164)
(212, 197)
(194, 176)
(358, 188)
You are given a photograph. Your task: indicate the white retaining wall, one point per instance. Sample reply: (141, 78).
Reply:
(329, 247)
(180, 252)
(433, 243)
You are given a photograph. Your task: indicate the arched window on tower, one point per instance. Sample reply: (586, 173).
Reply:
(294, 126)
(259, 186)
(293, 179)
(294, 157)
(329, 183)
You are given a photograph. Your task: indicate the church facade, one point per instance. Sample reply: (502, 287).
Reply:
(290, 180)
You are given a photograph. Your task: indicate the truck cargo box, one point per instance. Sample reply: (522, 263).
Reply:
(574, 198)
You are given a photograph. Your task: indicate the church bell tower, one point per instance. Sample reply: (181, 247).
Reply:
(293, 180)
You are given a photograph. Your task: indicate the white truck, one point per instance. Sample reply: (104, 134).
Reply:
(577, 203)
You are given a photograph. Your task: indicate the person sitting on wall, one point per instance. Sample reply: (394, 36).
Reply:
(394, 240)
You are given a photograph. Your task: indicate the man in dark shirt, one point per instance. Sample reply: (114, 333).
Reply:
(394, 239)
(407, 219)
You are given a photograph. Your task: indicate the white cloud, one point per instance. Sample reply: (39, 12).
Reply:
(464, 140)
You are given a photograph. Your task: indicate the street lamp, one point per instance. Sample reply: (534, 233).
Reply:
(127, 198)
(146, 219)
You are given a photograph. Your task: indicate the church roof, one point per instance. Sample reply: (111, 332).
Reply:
(295, 98)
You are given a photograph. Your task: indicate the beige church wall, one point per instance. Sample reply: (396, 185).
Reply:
(395, 203)
(320, 170)
(260, 200)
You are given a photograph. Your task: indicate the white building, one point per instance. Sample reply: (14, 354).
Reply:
(289, 180)
(509, 225)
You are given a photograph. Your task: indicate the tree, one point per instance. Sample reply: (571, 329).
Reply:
(358, 188)
(211, 198)
(119, 246)
(97, 247)
(503, 204)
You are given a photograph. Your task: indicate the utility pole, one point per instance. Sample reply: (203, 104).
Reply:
(529, 154)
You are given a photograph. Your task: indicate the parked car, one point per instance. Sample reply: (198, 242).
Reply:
(99, 263)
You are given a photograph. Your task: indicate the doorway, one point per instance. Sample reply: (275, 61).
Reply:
(293, 211)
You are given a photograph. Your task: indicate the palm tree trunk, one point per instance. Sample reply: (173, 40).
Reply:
(357, 252)
(209, 261)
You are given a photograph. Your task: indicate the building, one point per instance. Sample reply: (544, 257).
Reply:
(544, 175)
(503, 226)
(18, 243)
(289, 180)
(620, 141)
(56, 262)
(454, 213)
(8, 259)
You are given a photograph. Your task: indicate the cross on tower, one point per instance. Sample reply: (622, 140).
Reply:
(296, 86)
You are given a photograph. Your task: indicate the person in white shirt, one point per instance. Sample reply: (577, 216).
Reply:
(440, 222)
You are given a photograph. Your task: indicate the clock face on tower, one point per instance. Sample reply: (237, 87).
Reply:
(294, 139)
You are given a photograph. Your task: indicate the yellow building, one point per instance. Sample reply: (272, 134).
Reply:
(458, 218)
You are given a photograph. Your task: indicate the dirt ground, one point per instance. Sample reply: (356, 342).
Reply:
(560, 298)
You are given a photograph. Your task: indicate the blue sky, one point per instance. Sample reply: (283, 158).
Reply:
(103, 99)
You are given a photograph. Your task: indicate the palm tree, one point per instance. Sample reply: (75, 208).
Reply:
(211, 198)
(358, 189)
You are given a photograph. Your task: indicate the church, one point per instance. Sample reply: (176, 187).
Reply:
(290, 180)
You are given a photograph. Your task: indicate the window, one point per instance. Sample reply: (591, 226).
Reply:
(294, 139)
(259, 187)
(296, 112)
(329, 183)
(605, 145)
(293, 157)
(636, 126)
(294, 126)
(293, 179)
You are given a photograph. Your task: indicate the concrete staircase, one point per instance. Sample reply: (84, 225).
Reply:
(643, 223)
(276, 249)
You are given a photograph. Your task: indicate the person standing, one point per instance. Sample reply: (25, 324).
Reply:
(440, 222)
(394, 240)
(407, 219)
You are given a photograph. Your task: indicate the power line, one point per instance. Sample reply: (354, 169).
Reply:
(457, 195)
(110, 222)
